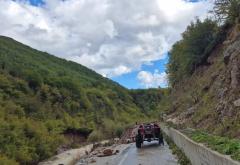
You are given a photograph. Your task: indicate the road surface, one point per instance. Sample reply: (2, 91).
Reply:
(149, 154)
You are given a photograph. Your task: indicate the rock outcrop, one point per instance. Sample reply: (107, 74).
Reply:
(215, 105)
(237, 103)
(232, 59)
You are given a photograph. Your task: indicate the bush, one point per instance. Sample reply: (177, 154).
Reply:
(27, 141)
(34, 79)
(95, 136)
(6, 161)
(119, 131)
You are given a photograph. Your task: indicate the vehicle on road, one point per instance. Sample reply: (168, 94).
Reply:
(148, 132)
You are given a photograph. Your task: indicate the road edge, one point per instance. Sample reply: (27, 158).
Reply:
(197, 153)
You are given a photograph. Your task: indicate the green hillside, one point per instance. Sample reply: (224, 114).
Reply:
(41, 96)
(152, 102)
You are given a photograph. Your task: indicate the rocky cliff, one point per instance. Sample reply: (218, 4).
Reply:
(210, 98)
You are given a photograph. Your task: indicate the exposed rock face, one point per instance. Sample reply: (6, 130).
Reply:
(235, 73)
(232, 50)
(231, 58)
(190, 111)
(217, 88)
(227, 54)
(237, 103)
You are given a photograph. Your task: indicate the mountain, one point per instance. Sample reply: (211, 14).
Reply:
(42, 96)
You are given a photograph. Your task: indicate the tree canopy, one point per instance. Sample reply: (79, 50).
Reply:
(193, 50)
(226, 10)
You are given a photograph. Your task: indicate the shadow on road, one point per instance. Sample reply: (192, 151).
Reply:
(150, 145)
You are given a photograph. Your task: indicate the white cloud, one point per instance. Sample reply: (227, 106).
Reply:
(112, 37)
(110, 29)
(152, 80)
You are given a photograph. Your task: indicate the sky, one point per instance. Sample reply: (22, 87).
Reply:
(125, 40)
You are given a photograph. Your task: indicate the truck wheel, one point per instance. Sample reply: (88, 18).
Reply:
(139, 141)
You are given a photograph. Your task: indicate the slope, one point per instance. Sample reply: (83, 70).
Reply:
(209, 98)
(41, 96)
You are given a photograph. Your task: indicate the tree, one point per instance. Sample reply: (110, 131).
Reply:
(34, 79)
(227, 10)
(193, 50)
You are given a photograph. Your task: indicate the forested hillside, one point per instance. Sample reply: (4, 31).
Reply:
(152, 102)
(41, 96)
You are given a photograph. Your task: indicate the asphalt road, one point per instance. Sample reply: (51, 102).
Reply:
(150, 154)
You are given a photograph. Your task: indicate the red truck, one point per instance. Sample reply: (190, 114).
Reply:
(148, 132)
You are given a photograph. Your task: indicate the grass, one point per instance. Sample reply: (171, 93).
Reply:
(182, 159)
(222, 145)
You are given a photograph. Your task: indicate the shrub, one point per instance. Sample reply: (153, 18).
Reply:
(95, 136)
(34, 79)
(6, 161)
(119, 131)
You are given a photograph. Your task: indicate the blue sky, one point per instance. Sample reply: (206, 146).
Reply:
(40, 2)
(36, 2)
(128, 47)
(131, 81)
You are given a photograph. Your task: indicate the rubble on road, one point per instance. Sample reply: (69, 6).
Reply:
(101, 154)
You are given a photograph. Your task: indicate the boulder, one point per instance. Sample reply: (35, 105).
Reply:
(237, 103)
(235, 74)
(232, 50)
(107, 152)
(190, 111)
(116, 152)
(222, 92)
(226, 57)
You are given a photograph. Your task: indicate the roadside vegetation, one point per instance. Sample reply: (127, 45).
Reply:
(182, 159)
(223, 145)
